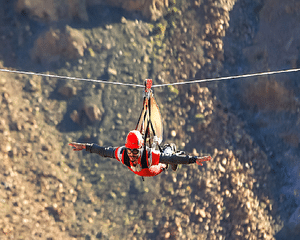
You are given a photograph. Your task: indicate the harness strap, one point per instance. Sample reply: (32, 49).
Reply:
(143, 159)
(126, 158)
(144, 103)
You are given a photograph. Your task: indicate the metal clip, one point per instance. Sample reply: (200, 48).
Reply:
(148, 90)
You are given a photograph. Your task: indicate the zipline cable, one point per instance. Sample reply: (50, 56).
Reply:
(229, 77)
(70, 78)
(157, 85)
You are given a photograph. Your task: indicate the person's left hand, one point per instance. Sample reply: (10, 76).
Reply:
(199, 160)
(77, 146)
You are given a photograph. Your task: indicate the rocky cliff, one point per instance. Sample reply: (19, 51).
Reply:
(249, 191)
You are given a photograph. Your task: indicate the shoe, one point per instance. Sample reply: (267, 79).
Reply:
(173, 146)
(169, 149)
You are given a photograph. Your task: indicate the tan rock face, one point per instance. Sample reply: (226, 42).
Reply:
(54, 44)
(53, 10)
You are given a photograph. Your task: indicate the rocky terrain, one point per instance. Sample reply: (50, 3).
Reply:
(250, 127)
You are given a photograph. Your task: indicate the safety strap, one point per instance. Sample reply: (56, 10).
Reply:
(150, 122)
(143, 159)
(126, 158)
(144, 103)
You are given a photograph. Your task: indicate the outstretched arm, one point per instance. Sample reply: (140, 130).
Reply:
(94, 148)
(183, 159)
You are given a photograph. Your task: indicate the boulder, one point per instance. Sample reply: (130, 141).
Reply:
(53, 10)
(67, 91)
(75, 117)
(90, 112)
(54, 44)
(93, 112)
(152, 9)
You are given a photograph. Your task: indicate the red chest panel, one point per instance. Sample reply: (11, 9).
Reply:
(149, 168)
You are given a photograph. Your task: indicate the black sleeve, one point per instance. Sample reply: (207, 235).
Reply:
(177, 159)
(102, 151)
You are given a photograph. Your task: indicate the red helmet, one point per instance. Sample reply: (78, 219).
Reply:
(134, 140)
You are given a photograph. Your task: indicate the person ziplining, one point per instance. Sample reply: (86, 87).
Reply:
(142, 152)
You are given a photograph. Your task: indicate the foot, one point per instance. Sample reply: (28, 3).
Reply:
(169, 149)
(174, 167)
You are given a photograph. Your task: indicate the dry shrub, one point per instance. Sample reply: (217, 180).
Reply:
(268, 94)
(290, 138)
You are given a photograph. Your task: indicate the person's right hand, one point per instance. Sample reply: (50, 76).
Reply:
(77, 146)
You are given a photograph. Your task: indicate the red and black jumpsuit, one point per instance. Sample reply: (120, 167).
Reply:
(150, 162)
